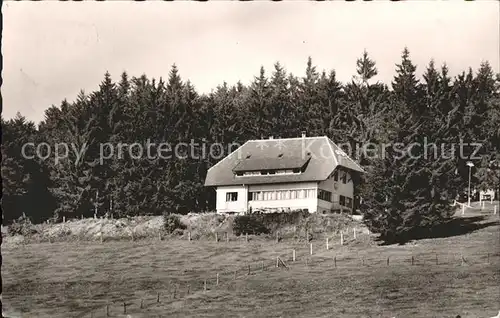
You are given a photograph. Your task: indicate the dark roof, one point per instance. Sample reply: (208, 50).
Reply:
(320, 153)
(277, 163)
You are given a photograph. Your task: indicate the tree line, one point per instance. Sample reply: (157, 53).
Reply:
(398, 194)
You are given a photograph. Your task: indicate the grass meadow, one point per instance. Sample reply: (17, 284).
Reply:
(457, 273)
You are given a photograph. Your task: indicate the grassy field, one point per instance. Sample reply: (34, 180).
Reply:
(457, 273)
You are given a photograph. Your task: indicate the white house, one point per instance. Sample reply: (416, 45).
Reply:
(284, 174)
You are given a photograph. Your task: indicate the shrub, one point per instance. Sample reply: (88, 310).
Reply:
(172, 222)
(250, 224)
(22, 226)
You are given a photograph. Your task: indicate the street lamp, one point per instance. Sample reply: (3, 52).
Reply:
(470, 165)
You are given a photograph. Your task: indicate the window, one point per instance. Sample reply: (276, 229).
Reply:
(344, 177)
(231, 196)
(348, 202)
(336, 175)
(342, 200)
(324, 195)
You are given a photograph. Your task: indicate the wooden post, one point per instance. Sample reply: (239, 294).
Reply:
(217, 283)
(205, 285)
(216, 237)
(158, 297)
(495, 210)
(175, 292)
(189, 236)
(277, 262)
(248, 269)
(124, 307)
(412, 260)
(463, 209)
(327, 245)
(311, 248)
(335, 261)
(159, 236)
(277, 237)
(64, 219)
(293, 255)
(102, 237)
(387, 260)
(341, 238)
(354, 232)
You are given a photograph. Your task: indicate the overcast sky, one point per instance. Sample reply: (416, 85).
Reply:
(51, 49)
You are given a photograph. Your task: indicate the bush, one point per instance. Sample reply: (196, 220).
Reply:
(172, 223)
(22, 226)
(250, 224)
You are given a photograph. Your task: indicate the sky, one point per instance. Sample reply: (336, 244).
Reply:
(52, 50)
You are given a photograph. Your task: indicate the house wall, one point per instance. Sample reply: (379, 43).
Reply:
(233, 206)
(337, 188)
(309, 203)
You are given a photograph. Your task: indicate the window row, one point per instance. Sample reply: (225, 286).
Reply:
(267, 172)
(345, 201)
(324, 195)
(342, 175)
(281, 195)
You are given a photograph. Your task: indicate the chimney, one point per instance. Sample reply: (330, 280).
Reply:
(303, 134)
(271, 137)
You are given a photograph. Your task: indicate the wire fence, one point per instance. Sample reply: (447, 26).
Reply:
(289, 260)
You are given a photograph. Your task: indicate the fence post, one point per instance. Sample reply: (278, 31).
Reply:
(463, 209)
(124, 307)
(64, 219)
(293, 255)
(277, 262)
(216, 237)
(327, 246)
(341, 238)
(248, 269)
(205, 285)
(189, 236)
(387, 260)
(335, 261)
(175, 292)
(412, 260)
(217, 283)
(354, 232)
(311, 248)
(495, 210)
(102, 236)
(158, 297)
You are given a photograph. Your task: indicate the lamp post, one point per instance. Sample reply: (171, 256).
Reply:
(470, 165)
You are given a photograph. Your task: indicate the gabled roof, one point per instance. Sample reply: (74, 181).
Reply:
(320, 154)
